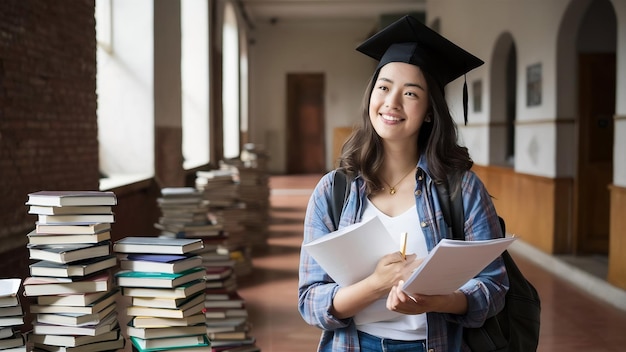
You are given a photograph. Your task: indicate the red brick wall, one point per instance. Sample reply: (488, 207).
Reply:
(48, 125)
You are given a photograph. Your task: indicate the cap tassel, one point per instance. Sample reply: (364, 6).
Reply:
(465, 99)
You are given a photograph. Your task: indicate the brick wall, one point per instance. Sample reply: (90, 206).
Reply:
(48, 126)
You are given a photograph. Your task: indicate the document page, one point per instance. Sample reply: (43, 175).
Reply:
(452, 263)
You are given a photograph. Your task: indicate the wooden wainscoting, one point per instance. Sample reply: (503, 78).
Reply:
(617, 238)
(536, 209)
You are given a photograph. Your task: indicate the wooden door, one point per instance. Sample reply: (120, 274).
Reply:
(596, 95)
(305, 123)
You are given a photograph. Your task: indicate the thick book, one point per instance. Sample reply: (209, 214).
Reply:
(165, 331)
(217, 313)
(182, 291)
(16, 340)
(43, 286)
(35, 238)
(109, 298)
(11, 310)
(350, 254)
(71, 198)
(75, 319)
(69, 253)
(8, 291)
(72, 340)
(159, 302)
(51, 210)
(128, 278)
(177, 342)
(162, 263)
(153, 322)
(16, 320)
(80, 268)
(170, 342)
(452, 263)
(159, 245)
(72, 229)
(108, 345)
(140, 311)
(75, 219)
(72, 299)
(107, 324)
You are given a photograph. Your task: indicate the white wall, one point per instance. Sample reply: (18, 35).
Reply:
(285, 48)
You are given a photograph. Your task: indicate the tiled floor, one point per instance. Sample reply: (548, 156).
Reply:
(572, 320)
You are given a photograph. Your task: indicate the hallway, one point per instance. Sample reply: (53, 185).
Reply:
(571, 319)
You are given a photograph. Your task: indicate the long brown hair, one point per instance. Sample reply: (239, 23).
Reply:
(363, 150)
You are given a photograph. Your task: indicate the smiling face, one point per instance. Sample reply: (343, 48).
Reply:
(399, 102)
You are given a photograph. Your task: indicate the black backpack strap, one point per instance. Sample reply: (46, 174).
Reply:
(341, 190)
(452, 207)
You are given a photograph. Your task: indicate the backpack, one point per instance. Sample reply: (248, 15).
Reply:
(516, 327)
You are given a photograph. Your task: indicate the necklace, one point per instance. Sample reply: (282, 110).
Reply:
(392, 189)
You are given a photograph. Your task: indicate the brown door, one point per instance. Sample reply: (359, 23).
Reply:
(595, 162)
(305, 123)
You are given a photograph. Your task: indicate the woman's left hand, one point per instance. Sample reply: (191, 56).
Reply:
(399, 301)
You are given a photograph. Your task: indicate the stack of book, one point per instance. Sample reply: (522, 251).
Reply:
(11, 316)
(165, 282)
(73, 296)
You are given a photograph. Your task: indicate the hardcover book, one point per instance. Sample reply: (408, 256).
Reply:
(162, 263)
(160, 245)
(69, 253)
(71, 198)
(80, 268)
(127, 278)
(181, 291)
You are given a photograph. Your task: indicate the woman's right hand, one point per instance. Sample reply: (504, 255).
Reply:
(390, 270)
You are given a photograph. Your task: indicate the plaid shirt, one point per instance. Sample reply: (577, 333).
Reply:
(485, 293)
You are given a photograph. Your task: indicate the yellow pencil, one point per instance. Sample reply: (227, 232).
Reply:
(403, 245)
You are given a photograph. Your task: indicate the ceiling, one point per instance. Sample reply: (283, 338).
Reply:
(274, 11)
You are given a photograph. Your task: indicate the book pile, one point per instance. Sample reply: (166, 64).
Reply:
(73, 296)
(11, 316)
(165, 281)
(185, 213)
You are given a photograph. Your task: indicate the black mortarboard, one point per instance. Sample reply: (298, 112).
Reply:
(410, 41)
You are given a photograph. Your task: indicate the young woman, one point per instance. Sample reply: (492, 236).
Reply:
(406, 142)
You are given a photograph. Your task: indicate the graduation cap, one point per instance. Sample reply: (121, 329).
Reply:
(410, 41)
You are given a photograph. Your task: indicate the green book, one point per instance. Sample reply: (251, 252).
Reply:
(128, 278)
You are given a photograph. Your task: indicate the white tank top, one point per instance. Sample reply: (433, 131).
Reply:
(376, 319)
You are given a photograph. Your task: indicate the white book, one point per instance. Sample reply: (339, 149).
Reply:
(35, 238)
(52, 210)
(107, 324)
(159, 263)
(75, 218)
(67, 253)
(71, 229)
(182, 291)
(157, 245)
(8, 291)
(70, 340)
(76, 299)
(80, 268)
(164, 331)
(108, 345)
(75, 319)
(71, 198)
(97, 306)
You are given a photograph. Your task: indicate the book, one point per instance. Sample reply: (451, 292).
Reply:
(127, 278)
(237, 348)
(159, 245)
(181, 291)
(74, 299)
(69, 253)
(230, 335)
(75, 218)
(139, 311)
(153, 322)
(11, 310)
(452, 263)
(105, 325)
(52, 210)
(15, 320)
(158, 302)
(170, 342)
(72, 229)
(6, 331)
(162, 263)
(35, 238)
(16, 340)
(218, 272)
(80, 268)
(216, 313)
(8, 291)
(109, 345)
(233, 321)
(167, 331)
(42, 286)
(71, 198)
(73, 340)
(357, 247)
(75, 319)
(97, 306)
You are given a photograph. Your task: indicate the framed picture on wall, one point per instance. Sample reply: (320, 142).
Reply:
(533, 85)
(477, 95)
